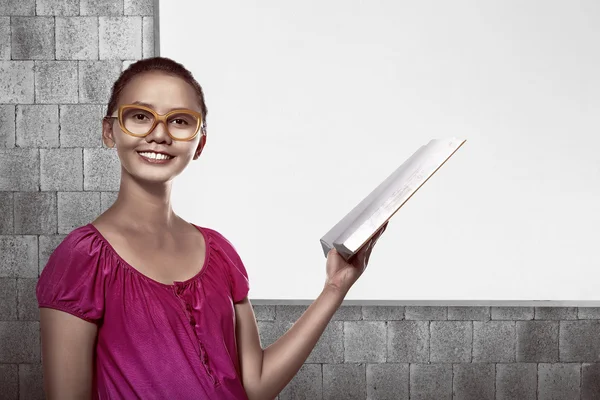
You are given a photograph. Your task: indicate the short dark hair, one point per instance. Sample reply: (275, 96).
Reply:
(160, 64)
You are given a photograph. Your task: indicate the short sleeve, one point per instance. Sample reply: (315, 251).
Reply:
(238, 276)
(72, 280)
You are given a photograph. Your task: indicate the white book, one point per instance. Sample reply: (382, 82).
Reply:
(353, 231)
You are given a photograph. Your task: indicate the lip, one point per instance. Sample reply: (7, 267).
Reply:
(155, 151)
(157, 161)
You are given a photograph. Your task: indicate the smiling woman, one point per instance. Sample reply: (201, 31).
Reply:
(140, 303)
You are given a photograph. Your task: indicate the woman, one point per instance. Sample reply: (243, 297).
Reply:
(140, 303)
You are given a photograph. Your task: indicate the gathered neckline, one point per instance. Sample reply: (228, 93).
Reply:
(205, 264)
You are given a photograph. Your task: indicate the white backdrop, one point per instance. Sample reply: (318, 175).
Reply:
(313, 103)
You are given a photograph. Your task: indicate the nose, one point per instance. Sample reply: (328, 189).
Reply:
(159, 134)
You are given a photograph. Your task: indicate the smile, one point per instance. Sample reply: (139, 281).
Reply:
(155, 158)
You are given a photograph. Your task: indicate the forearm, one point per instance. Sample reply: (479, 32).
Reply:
(283, 359)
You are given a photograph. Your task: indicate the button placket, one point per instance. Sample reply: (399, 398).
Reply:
(203, 355)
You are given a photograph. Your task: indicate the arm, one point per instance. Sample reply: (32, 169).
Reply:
(67, 355)
(266, 372)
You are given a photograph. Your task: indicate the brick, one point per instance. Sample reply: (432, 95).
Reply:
(428, 313)
(537, 341)
(261, 312)
(555, 313)
(474, 381)
(120, 38)
(408, 341)
(433, 381)
(35, 213)
(516, 381)
(8, 299)
(329, 347)
(559, 381)
(27, 301)
(451, 341)
(590, 381)
(579, 341)
(344, 381)
(56, 82)
(76, 38)
(5, 35)
(347, 313)
(289, 312)
(6, 216)
(101, 7)
(494, 341)
(17, 7)
(383, 313)
(76, 209)
(139, 7)
(9, 380)
(588, 313)
(107, 199)
(47, 245)
(32, 38)
(306, 384)
(7, 125)
(81, 125)
(19, 257)
(96, 79)
(19, 169)
(62, 169)
(16, 82)
(20, 342)
(387, 382)
(31, 381)
(512, 313)
(57, 7)
(365, 341)
(269, 331)
(147, 37)
(463, 313)
(101, 169)
(126, 64)
(37, 125)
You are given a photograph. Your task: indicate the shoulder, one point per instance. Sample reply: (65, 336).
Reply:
(215, 234)
(79, 258)
(73, 278)
(77, 243)
(235, 268)
(220, 240)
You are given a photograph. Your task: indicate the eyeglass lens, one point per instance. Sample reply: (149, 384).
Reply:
(181, 125)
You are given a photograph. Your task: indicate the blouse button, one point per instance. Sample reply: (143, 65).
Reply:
(188, 307)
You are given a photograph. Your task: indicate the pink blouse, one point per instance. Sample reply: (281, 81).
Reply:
(155, 341)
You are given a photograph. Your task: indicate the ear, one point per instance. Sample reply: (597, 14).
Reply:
(107, 133)
(200, 147)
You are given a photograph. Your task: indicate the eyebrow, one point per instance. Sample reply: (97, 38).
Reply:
(141, 103)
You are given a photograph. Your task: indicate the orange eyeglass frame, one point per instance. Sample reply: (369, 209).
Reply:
(157, 119)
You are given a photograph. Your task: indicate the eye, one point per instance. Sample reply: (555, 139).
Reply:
(179, 121)
(139, 117)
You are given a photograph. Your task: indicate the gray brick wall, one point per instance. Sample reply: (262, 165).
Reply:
(479, 353)
(58, 59)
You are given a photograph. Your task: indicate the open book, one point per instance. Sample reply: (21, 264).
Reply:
(355, 230)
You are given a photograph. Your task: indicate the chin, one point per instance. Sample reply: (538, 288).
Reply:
(152, 174)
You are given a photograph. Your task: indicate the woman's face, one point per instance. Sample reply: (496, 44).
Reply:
(162, 93)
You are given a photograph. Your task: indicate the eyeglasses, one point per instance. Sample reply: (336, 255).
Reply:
(137, 120)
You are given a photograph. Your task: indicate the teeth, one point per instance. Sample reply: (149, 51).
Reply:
(155, 156)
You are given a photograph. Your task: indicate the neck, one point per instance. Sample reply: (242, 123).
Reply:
(144, 206)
